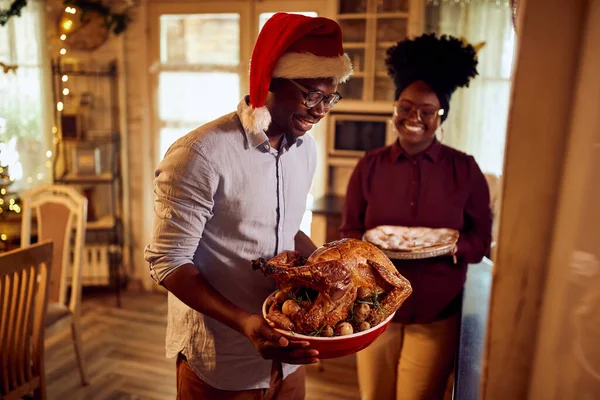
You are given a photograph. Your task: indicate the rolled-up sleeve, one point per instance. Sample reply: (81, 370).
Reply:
(184, 188)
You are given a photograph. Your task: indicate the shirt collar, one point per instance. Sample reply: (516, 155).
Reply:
(432, 153)
(256, 139)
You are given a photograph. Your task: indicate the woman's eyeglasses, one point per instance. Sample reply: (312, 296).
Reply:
(313, 98)
(425, 113)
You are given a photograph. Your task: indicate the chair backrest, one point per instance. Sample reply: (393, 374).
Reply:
(23, 297)
(58, 210)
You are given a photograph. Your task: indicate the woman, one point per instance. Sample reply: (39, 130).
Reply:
(418, 181)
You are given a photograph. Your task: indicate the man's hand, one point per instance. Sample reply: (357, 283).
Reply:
(272, 346)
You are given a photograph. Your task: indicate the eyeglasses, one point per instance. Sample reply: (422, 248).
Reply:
(313, 98)
(425, 113)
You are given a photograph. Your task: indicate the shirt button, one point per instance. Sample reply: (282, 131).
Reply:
(169, 215)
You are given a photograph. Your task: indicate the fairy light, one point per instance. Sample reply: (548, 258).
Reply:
(65, 78)
(63, 37)
(66, 91)
(39, 176)
(2, 192)
(11, 202)
(60, 106)
(63, 51)
(49, 154)
(3, 237)
(1, 202)
(67, 25)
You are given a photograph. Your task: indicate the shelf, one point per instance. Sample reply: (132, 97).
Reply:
(386, 45)
(353, 106)
(70, 177)
(402, 14)
(348, 161)
(353, 45)
(104, 223)
(352, 16)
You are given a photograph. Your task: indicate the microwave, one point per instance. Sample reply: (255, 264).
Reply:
(351, 135)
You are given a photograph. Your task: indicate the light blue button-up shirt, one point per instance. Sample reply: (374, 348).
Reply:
(223, 198)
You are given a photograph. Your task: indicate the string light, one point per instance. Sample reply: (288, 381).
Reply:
(63, 51)
(66, 91)
(49, 154)
(67, 25)
(60, 106)
(3, 237)
(65, 78)
(2, 191)
(63, 37)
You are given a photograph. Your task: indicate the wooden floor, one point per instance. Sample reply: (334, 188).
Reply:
(124, 355)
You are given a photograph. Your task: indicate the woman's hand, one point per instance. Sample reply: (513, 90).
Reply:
(272, 346)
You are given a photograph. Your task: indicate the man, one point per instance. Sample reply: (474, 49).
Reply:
(235, 190)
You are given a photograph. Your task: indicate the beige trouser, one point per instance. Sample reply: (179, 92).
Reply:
(409, 362)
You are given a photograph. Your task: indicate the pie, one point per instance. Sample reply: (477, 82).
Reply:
(410, 239)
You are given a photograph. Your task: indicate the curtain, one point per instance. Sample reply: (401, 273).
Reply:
(25, 139)
(478, 114)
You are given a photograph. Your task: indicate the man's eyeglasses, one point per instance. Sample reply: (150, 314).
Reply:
(425, 113)
(313, 98)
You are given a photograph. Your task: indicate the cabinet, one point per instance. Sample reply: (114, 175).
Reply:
(361, 121)
(369, 28)
(88, 157)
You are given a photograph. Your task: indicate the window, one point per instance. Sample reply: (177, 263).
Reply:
(25, 140)
(264, 17)
(199, 76)
(478, 115)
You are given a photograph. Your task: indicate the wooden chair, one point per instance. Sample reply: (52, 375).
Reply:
(23, 297)
(59, 209)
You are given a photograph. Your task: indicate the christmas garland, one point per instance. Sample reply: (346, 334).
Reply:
(13, 11)
(117, 21)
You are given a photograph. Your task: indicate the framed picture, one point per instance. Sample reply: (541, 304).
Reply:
(86, 161)
(70, 126)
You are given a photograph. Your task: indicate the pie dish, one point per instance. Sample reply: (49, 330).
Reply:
(401, 242)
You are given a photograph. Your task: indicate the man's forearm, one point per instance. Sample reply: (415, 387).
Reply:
(189, 286)
(303, 244)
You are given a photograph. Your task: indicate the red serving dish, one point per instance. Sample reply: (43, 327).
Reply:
(337, 346)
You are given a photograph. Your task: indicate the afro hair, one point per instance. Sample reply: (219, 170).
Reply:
(445, 63)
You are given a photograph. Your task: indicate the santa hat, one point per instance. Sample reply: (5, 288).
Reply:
(292, 46)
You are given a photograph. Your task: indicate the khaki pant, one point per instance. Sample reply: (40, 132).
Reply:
(191, 387)
(409, 362)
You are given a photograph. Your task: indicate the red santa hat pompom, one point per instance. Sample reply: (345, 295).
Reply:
(292, 46)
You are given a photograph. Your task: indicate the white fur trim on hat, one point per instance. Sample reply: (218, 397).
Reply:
(308, 65)
(254, 120)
